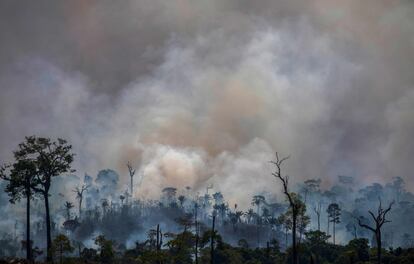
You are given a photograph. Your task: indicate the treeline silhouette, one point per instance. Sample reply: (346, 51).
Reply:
(312, 225)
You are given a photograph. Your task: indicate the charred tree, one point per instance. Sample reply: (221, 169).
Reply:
(131, 172)
(79, 195)
(294, 205)
(379, 221)
(317, 210)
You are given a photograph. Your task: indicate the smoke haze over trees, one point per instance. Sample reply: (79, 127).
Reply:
(196, 97)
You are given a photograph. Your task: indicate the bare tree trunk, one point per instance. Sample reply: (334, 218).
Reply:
(379, 246)
(355, 233)
(61, 254)
(158, 237)
(196, 235)
(212, 241)
(380, 220)
(292, 203)
(80, 206)
(294, 248)
(319, 222)
(327, 231)
(28, 241)
(267, 251)
(132, 185)
(131, 174)
(286, 236)
(48, 230)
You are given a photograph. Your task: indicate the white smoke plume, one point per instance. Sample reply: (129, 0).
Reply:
(194, 93)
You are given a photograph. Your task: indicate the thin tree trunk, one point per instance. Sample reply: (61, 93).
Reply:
(212, 242)
(132, 185)
(319, 222)
(294, 249)
(28, 242)
(61, 254)
(158, 237)
(196, 235)
(327, 232)
(196, 246)
(334, 232)
(379, 246)
(80, 207)
(158, 247)
(48, 230)
(286, 237)
(267, 251)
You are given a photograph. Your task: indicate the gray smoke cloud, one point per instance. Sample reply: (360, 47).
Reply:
(196, 92)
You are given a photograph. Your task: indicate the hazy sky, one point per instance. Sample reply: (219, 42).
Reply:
(196, 92)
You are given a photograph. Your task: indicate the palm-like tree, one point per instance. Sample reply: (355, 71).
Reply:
(250, 214)
(221, 209)
(334, 214)
(238, 214)
(257, 201)
(266, 215)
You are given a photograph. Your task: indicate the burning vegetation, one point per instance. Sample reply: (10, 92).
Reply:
(311, 225)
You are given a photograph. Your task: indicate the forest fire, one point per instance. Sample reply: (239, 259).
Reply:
(220, 131)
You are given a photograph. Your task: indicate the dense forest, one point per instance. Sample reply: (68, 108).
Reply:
(96, 221)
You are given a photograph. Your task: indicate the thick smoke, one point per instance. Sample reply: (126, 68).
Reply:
(196, 93)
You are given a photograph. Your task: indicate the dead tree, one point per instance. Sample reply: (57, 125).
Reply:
(379, 219)
(159, 243)
(294, 205)
(79, 196)
(318, 210)
(131, 171)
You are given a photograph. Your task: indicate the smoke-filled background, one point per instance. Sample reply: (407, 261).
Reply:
(199, 92)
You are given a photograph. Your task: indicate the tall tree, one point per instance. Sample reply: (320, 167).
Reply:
(317, 209)
(302, 219)
(51, 158)
(21, 179)
(257, 201)
(334, 216)
(293, 205)
(379, 221)
(250, 214)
